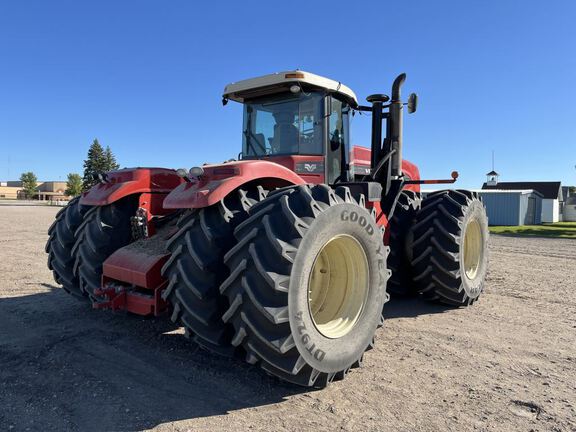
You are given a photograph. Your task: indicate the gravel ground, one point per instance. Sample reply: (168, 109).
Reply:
(508, 363)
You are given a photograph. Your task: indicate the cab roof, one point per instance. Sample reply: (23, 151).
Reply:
(282, 81)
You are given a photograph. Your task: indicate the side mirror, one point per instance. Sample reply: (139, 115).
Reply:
(412, 103)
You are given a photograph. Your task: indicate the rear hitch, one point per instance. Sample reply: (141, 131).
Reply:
(116, 296)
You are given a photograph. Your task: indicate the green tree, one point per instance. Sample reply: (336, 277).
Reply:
(73, 185)
(110, 160)
(29, 183)
(98, 161)
(93, 165)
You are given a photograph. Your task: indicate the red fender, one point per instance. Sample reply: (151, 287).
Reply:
(130, 181)
(219, 180)
(411, 170)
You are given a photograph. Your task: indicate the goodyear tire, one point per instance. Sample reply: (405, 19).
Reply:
(399, 260)
(196, 268)
(60, 244)
(307, 284)
(104, 230)
(450, 247)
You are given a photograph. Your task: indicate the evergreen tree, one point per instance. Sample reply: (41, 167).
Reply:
(29, 183)
(110, 160)
(73, 185)
(93, 165)
(99, 161)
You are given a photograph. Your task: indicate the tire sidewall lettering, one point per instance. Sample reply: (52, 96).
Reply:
(353, 216)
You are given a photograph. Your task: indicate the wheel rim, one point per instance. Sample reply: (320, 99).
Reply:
(473, 248)
(338, 286)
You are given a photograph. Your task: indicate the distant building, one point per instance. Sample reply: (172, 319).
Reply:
(52, 190)
(49, 190)
(10, 189)
(551, 193)
(512, 207)
(569, 214)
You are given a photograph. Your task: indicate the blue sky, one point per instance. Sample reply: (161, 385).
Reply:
(146, 77)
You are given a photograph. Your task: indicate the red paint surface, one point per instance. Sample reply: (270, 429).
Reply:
(220, 180)
(131, 181)
(131, 301)
(135, 267)
(127, 273)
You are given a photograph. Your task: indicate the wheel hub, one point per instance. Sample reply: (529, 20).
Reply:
(338, 286)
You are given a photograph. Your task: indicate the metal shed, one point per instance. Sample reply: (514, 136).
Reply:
(570, 209)
(513, 207)
(510, 207)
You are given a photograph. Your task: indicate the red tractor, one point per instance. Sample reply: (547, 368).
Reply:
(284, 256)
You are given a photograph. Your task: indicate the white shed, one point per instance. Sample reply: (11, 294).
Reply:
(570, 209)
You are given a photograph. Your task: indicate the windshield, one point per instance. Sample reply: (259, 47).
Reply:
(283, 125)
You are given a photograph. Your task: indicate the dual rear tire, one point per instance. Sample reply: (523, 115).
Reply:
(439, 246)
(450, 247)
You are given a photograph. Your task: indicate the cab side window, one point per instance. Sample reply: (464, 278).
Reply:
(337, 146)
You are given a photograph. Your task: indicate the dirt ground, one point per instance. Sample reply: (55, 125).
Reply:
(508, 363)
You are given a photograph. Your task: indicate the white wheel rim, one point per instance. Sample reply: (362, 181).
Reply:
(338, 286)
(473, 248)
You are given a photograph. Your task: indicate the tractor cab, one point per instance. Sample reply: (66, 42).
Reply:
(298, 120)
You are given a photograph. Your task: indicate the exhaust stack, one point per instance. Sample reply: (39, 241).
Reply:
(394, 134)
(386, 160)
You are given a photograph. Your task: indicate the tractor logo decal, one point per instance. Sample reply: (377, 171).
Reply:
(310, 167)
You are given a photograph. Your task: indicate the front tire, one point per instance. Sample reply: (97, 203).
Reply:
(307, 284)
(450, 247)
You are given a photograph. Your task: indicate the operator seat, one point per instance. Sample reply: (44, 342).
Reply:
(286, 136)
